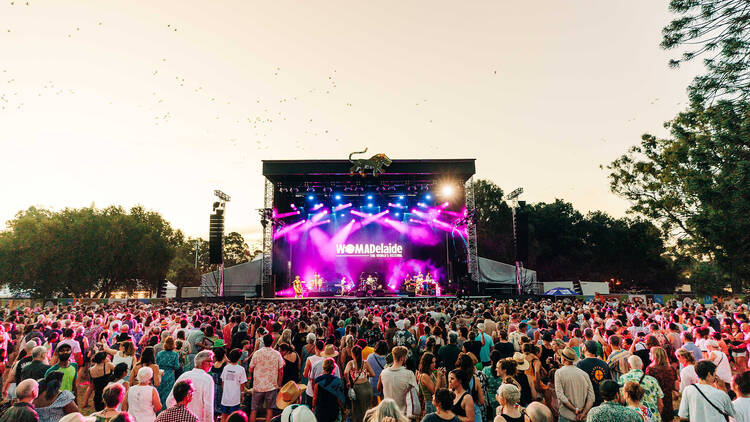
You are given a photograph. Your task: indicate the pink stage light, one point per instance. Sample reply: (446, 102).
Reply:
(285, 230)
(370, 218)
(287, 214)
(318, 216)
(317, 207)
(344, 233)
(396, 206)
(442, 224)
(341, 207)
(397, 225)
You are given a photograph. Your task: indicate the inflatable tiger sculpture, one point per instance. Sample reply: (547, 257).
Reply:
(374, 163)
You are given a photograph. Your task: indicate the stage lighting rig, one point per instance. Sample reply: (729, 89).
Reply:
(221, 195)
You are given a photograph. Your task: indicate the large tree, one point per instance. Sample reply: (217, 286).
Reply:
(696, 185)
(718, 31)
(84, 252)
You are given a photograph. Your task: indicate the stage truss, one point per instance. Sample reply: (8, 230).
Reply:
(265, 278)
(472, 229)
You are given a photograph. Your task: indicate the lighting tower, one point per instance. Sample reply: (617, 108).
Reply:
(513, 197)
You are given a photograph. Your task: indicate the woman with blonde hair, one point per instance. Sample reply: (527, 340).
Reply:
(508, 396)
(666, 377)
(386, 409)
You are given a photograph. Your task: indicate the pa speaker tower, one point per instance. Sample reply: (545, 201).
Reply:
(216, 238)
(522, 232)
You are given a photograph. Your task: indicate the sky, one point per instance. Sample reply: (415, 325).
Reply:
(160, 103)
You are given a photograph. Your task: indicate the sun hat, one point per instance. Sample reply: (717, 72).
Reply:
(219, 343)
(329, 352)
(289, 394)
(568, 354)
(521, 362)
(298, 413)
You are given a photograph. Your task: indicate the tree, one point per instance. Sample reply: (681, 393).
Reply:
(236, 250)
(186, 276)
(84, 252)
(494, 222)
(695, 185)
(719, 32)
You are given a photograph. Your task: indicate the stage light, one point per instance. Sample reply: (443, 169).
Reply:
(369, 197)
(401, 197)
(397, 215)
(338, 197)
(428, 196)
(447, 191)
(310, 197)
(369, 205)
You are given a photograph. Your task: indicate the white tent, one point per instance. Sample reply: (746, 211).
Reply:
(239, 279)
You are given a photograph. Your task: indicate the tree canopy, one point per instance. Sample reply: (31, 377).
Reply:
(718, 31)
(696, 185)
(83, 251)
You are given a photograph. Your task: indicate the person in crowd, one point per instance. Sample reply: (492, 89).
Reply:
(686, 358)
(329, 397)
(66, 367)
(23, 409)
(618, 358)
(112, 397)
(430, 379)
(233, 377)
(449, 353)
(182, 393)
(202, 397)
(291, 363)
(312, 362)
(148, 359)
(595, 368)
(377, 362)
(266, 368)
(14, 376)
(396, 379)
(220, 362)
(573, 387)
(721, 360)
(100, 374)
(386, 411)
(53, 402)
(142, 400)
(538, 412)
(741, 388)
(463, 403)
(653, 395)
(508, 409)
(442, 403)
(611, 409)
(38, 366)
(124, 354)
(688, 344)
(703, 401)
(633, 394)
(357, 379)
(494, 380)
(168, 362)
(666, 376)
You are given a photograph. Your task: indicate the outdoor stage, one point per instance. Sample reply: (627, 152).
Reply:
(369, 299)
(330, 228)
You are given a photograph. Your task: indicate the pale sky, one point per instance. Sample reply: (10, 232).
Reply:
(160, 103)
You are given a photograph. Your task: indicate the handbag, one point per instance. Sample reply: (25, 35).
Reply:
(413, 406)
(352, 393)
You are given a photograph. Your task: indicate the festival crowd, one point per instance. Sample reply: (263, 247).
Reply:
(392, 360)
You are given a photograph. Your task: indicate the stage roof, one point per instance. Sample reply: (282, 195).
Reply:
(303, 170)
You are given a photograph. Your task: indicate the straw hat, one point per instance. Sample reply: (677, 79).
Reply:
(329, 352)
(289, 394)
(568, 354)
(521, 363)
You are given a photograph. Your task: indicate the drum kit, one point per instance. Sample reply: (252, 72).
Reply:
(369, 286)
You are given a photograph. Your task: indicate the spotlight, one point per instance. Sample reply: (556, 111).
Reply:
(369, 205)
(398, 214)
(428, 196)
(447, 191)
(310, 197)
(401, 197)
(338, 197)
(369, 197)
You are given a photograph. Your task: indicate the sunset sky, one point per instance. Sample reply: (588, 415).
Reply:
(160, 103)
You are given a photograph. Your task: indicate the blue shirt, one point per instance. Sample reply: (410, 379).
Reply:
(484, 352)
(697, 353)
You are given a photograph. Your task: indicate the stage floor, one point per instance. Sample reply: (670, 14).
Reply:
(351, 298)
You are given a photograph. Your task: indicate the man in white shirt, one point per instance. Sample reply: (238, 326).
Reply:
(396, 379)
(232, 378)
(202, 404)
(702, 401)
(741, 387)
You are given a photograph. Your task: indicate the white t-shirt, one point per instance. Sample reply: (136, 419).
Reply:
(742, 410)
(687, 377)
(695, 408)
(233, 376)
(395, 382)
(74, 346)
(723, 369)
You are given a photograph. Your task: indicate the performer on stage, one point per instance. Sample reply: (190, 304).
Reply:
(297, 287)
(342, 285)
(317, 282)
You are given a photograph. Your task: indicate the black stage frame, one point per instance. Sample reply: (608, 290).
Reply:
(298, 175)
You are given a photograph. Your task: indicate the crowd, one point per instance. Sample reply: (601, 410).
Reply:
(377, 361)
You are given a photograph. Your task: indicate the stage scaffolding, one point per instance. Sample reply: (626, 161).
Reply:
(266, 281)
(472, 230)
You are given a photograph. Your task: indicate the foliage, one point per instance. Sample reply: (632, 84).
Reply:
(186, 276)
(566, 245)
(695, 185)
(719, 32)
(80, 251)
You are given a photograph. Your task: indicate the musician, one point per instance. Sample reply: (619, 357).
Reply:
(317, 281)
(297, 283)
(342, 285)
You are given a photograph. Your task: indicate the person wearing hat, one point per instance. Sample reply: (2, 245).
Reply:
(573, 387)
(289, 395)
(597, 369)
(297, 413)
(611, 409)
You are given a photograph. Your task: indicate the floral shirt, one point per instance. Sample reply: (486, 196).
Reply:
(644, 412)
(404, 338)
(266, 364)
(651, 386)
(612, 412)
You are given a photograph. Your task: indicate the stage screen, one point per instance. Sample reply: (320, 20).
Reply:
(353, 245)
